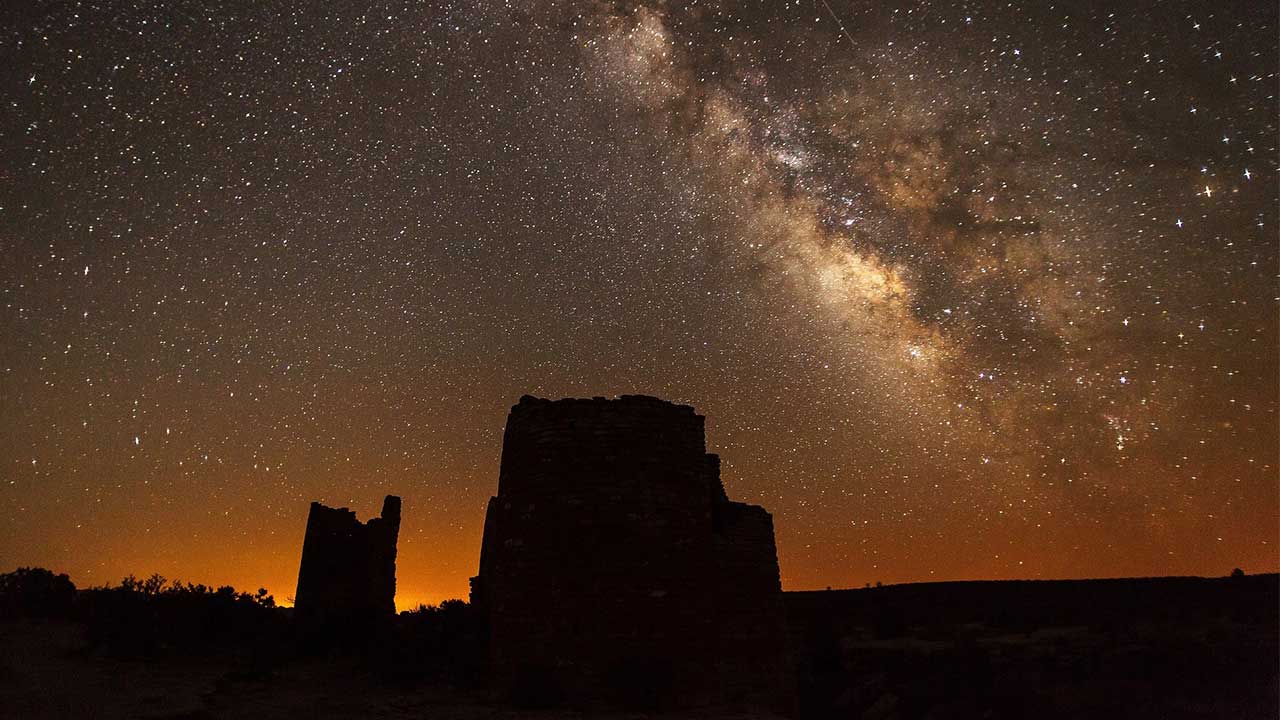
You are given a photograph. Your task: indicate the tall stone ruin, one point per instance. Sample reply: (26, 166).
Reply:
(613, 562)
(348, 568)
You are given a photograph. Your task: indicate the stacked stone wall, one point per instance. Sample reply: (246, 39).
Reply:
(611, 552)
(348, 568)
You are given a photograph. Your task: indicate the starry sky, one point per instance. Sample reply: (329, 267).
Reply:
(965, 290)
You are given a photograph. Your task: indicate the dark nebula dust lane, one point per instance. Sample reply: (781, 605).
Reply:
(976, 290)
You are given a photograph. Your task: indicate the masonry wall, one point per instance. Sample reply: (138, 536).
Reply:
(612, 558)
(348, 568)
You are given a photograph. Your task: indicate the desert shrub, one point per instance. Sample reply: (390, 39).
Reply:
(145, 617)
(36, 592)
(445, 641)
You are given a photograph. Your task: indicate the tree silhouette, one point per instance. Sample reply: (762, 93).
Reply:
(36, 592)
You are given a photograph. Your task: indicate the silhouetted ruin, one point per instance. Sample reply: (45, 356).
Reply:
(348, 568)
(615, 568)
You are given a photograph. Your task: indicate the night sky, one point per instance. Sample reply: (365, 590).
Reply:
(965, 290)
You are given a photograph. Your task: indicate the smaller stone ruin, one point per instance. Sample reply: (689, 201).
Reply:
(348, 568)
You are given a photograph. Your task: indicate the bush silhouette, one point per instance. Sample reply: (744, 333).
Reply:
(444, 640)
(146, 617)
(36, 592)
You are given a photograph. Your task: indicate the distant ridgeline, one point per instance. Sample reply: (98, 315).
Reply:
(614, 567)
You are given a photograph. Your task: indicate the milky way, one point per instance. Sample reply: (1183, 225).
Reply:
(965, 290)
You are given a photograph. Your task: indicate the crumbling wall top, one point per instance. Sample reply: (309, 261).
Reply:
(580, 440)
(348, 567)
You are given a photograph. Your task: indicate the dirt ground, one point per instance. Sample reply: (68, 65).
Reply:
(47, 671)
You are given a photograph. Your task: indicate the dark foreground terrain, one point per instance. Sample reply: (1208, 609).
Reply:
(1131, 648)
(1150, 648)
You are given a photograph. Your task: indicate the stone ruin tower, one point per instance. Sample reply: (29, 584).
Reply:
(613, 562)
(348, 568)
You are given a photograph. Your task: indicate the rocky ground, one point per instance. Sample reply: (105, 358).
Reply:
(48, 671)
(1153, 648)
